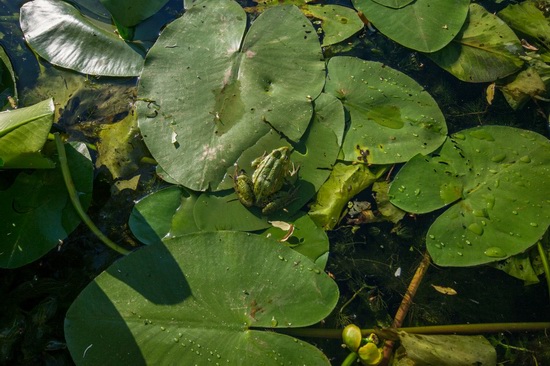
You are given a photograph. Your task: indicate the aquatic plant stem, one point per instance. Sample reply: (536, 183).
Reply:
(545, 265)
(406, 304)
(76, 202)
(431, 329)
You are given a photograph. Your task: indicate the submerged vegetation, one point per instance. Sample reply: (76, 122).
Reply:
(284, 176)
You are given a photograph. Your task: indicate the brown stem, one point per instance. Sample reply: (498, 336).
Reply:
(406, 304)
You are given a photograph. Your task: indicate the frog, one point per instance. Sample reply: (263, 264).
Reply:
(271, 172)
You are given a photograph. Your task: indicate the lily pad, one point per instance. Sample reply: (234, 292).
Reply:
(392, 117)
(164, 214)
(423, 25)
(396, 4)
(157, 306)
(494, 180)
(37, 214)
(528, 20)
(23, 133)
(60, 34)
(307, 238)
(486, 49)
(337, 22)
(207, 95)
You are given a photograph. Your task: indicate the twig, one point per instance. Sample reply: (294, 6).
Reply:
(406, 304)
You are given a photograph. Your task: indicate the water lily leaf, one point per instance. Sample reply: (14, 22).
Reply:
(396, 4)
(423, 25)
(313, 157)
(392, 117)
(484, 50)
(206, 99)
(345, 181)
(163, 214)
(120, 147)
(223, 211)
(7, 81)
(23, 133)
(157, 306)
(494, 179)
(526, 84)
(419, 349)
(337, 22)
(37, 214)
(60, 34)
(131, 12)
(307, 238)
(527, 19)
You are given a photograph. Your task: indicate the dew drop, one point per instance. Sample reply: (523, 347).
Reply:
(514, 212)
(533, 224)
(431, 236)
(274, 322)
(460, 254)
(495, 252)
(417, 191)
(475, 228)
(480, 213)
(498, 158)
(525, 159)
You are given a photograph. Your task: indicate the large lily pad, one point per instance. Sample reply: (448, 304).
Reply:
(197, 300)
(486, 49)
(59, 33)
(423, 25)
(37, 214)
(495, 181)
(205, 98)
(392, 117)
(23, 133)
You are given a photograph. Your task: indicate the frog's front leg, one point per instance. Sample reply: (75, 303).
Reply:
(244, 188)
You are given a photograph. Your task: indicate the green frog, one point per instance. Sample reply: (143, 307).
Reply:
(264, 189)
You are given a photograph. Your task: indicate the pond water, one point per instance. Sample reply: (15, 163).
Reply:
(371, 263)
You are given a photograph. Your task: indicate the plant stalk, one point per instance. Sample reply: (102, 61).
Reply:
(432, 329)
(71, 189)
(545, 265)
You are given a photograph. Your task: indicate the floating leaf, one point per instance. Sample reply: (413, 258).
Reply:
(220, 98)
(307, 239)
(345, 181)
(163, 214)
(423, 25)
(159, 306)
(392, 117)
(495, 181)
(396, 4)
(527, 19)
(23, 133)
(485, 49)
(37, 214)
(60, 34)
(418, 349)
(337, 22)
